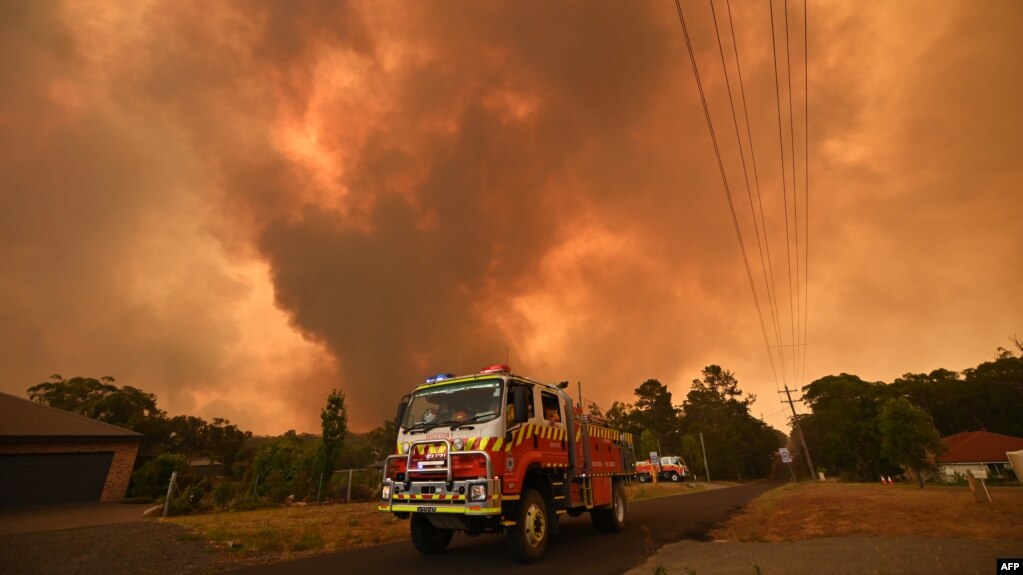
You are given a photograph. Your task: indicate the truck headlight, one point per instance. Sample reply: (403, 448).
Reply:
(478, 492)
(404, 447)
(458, 443)
(385, 493)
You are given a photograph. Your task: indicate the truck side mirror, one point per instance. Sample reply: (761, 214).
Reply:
(401, 409)
(520, 401)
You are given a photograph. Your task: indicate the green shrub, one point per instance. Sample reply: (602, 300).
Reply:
(152, 478)
(179, 506)
(224, 493)
(276, 487)
(286, 466)
(362, 493)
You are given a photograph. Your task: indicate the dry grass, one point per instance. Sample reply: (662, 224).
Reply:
(299, 530)
(807, 510)
(290, 531)
(639, 491)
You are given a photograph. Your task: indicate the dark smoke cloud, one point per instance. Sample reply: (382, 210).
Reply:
(433, 186)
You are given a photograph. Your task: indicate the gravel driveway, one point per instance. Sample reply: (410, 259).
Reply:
(130, 548)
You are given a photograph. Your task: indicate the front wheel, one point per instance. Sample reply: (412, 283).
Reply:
(426, 538)
(527, 539)
(675, 477)
(612, 520)
(643, 478)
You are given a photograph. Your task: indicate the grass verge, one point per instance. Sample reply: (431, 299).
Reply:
(806, 510)
(297, 530)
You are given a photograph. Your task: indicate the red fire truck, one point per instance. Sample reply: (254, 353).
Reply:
(671, 468)
(494, 452)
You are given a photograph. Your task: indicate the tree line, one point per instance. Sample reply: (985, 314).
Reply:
(253, 470)
(853, 426)
(737, 445)
(857, 429)
(131, 408)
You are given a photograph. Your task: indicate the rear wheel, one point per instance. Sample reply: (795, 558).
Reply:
(612, 520)
(527, 539)
(426, 538)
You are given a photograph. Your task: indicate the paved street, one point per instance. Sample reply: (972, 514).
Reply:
(578, 549)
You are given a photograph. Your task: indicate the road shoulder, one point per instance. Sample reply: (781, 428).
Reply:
(833, 555)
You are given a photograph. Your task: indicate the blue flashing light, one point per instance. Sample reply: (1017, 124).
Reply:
(439, 377)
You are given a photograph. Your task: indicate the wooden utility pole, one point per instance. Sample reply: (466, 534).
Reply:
(797, 429)
(705, 466)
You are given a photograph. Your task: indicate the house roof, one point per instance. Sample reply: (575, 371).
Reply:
(26, 420)
(978, 447)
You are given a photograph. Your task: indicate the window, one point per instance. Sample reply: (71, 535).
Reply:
(447, 404)
(510, 407)
(551, 408)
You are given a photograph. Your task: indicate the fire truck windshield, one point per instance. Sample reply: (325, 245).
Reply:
(466, 402)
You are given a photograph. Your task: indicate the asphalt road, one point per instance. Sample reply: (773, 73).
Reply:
(579, 548)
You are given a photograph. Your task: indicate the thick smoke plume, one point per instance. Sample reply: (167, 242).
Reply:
(239, 206)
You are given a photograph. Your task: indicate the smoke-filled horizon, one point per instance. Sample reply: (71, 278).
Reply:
(239, 207)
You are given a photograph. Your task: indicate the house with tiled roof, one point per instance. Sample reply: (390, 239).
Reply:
(50, 456)
(978, 451)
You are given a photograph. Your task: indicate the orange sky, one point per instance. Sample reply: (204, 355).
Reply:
(239, 206)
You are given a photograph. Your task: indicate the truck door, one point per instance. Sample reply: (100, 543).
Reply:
(510, 404)
(553, 439)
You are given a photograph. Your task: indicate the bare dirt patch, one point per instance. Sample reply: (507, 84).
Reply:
(802, 511)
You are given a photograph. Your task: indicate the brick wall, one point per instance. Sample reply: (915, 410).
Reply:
(116, 484)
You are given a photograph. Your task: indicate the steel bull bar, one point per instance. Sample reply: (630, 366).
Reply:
(474, 496)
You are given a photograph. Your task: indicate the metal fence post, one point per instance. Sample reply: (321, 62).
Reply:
(170, 489)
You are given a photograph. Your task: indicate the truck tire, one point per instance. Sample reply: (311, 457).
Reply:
(675, 476)
(612, 519)
(426, 538)
(527, 539)
(644, 478)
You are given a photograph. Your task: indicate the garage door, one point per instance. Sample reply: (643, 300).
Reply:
(50, 478)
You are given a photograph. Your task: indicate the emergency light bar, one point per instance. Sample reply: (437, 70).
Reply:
(497, 368)
(439, 377)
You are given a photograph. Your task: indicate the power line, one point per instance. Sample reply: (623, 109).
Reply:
(795, 200)
(784, 179)
(798, 304)
(721, 169)
(806, 181)
(745, 171)
(769, 266)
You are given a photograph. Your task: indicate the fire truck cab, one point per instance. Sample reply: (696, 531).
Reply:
(495, 452)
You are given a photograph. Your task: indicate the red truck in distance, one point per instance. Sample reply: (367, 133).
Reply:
(671, 468)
